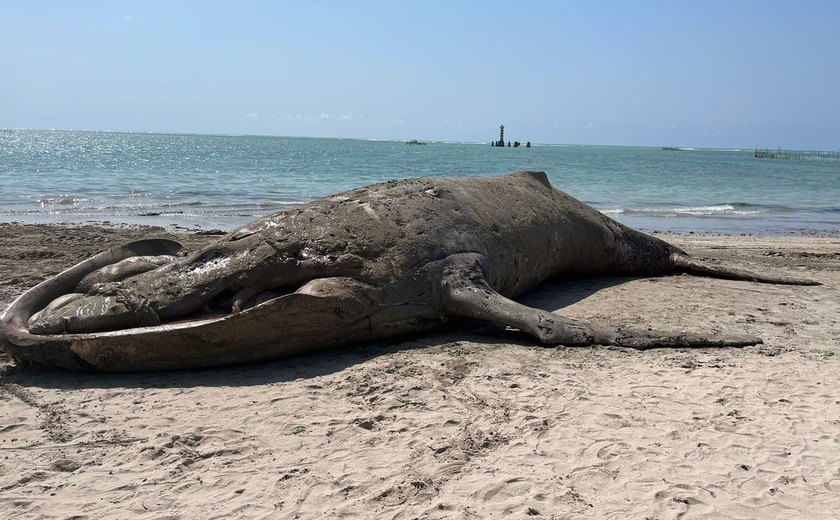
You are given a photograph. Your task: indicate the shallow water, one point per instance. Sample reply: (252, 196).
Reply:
(218, 181)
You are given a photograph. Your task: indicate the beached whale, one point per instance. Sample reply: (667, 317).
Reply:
(376, 262)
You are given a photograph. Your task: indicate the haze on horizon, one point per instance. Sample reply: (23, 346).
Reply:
(703, 74)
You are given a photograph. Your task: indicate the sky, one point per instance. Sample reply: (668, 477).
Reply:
(671, 73)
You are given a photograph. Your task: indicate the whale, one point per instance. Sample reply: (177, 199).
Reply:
(387, 260)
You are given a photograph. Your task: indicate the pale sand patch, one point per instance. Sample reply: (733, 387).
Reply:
(457, 424)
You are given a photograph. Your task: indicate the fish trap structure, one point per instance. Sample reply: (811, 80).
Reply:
(797, 155)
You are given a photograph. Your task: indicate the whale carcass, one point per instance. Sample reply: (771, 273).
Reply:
(376, 262)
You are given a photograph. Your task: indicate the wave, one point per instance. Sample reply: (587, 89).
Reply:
(270, 204)
(716, 210)
(69, 206)
(75, 204)
(61, 201)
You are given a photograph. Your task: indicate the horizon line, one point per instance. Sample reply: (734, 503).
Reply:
(442, 141)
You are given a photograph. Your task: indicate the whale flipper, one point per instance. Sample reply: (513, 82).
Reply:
(467, 293)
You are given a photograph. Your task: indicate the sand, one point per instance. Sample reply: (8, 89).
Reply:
(459, 424)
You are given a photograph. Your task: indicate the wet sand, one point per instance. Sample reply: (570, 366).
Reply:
(463, 423)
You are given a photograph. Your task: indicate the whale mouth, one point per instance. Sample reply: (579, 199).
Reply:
(176, 343)
(322, 313)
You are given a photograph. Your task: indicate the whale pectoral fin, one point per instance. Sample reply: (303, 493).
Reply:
(481, 302)
(466, 293)
(478, 300)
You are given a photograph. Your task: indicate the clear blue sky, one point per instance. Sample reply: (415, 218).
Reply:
(712, 73)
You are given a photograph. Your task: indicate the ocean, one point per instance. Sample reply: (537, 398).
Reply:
(223, 181)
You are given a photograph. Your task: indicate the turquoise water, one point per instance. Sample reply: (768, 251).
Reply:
(217, 181)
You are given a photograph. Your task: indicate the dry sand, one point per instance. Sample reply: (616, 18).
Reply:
(459, 424)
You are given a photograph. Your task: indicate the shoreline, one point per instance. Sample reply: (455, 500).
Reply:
(460, 422)
(647, 224)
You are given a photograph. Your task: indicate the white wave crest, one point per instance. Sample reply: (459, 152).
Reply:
(688, 211)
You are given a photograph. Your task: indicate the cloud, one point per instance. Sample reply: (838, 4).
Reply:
(321, 117)
(252, 115)
(130, 19)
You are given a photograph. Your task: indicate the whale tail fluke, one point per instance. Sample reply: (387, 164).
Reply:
(685, 264)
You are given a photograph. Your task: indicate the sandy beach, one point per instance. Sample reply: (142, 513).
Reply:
(465, 423)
